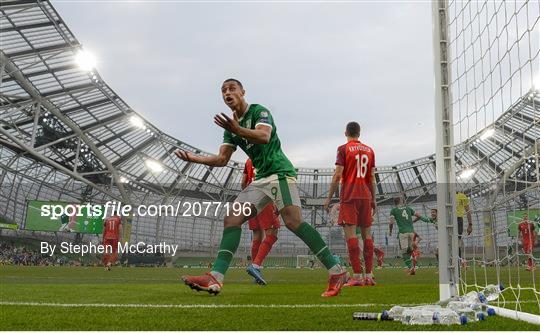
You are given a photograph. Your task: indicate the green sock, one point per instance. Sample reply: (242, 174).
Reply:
(227, 248)
(407, 260)
(316, 244)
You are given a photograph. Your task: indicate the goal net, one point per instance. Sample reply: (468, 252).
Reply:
(486, 60)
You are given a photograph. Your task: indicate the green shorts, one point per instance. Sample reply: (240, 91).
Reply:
(406, 241)
(281, 190)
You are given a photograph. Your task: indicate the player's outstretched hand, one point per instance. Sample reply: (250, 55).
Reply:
(183, 155)
(373, 207)
(227, 123)
(469, 229)
(326, 205)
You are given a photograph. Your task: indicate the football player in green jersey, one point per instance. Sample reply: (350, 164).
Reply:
(402, 215)
(432, 218)
(252, 128)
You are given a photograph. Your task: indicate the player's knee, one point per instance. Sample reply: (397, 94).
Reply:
(350, 231)
(258, 235)
(292, 217)
(293, 224)
(233, 221)
(271, 231)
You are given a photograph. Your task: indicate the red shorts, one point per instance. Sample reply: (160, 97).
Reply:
(267, 219)
(528, 247)
(355, 212)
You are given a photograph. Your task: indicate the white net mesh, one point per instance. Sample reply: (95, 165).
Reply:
(495, 98)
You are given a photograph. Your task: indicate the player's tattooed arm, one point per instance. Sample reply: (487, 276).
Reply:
(219, 160)
(391, 225)
(260, 135)
(338, 173)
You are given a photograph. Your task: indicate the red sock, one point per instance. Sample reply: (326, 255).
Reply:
(368, 255)
(255, 244)
(354, 255)
(380, 256)
(264, 249)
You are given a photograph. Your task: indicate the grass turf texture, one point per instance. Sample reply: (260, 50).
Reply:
(148, 286)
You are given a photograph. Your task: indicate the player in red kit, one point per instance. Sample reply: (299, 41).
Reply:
(264, 227)
(355, 164)
(380, 256)
(112, 229)
(416, 251)
(528, 239)
(379, 253)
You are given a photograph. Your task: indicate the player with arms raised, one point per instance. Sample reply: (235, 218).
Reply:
(355, 164)
(528, 239)
(252, 128)
(264, 227)
(112, 229)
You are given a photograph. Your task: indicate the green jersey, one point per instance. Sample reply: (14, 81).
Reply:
(404, 218)
(428, 220)
(268, 159)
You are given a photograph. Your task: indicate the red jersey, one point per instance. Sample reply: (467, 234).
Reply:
(358, 161)
(111, 227)
(526, 229)
(249, 171)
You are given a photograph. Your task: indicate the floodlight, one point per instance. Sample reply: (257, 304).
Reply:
(466, 174)
(487, 134)
(85, 60)
(154, 166)
(137, 122)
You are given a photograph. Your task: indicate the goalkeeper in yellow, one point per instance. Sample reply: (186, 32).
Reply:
(462, 209)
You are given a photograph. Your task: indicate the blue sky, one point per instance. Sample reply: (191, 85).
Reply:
(316, 66)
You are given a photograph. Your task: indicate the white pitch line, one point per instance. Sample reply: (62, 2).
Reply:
(212, 306)
(190, 306)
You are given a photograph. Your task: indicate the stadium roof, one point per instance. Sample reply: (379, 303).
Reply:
(66, 128)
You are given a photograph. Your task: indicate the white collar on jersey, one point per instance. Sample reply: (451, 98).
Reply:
(247, 108)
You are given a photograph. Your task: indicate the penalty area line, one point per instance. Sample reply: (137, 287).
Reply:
(194, 306)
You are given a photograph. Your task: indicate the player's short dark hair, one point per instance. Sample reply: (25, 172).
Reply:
(234, 80)
(353, 129)
(434, 209)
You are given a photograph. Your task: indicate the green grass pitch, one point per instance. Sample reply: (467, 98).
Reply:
(155, 299)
